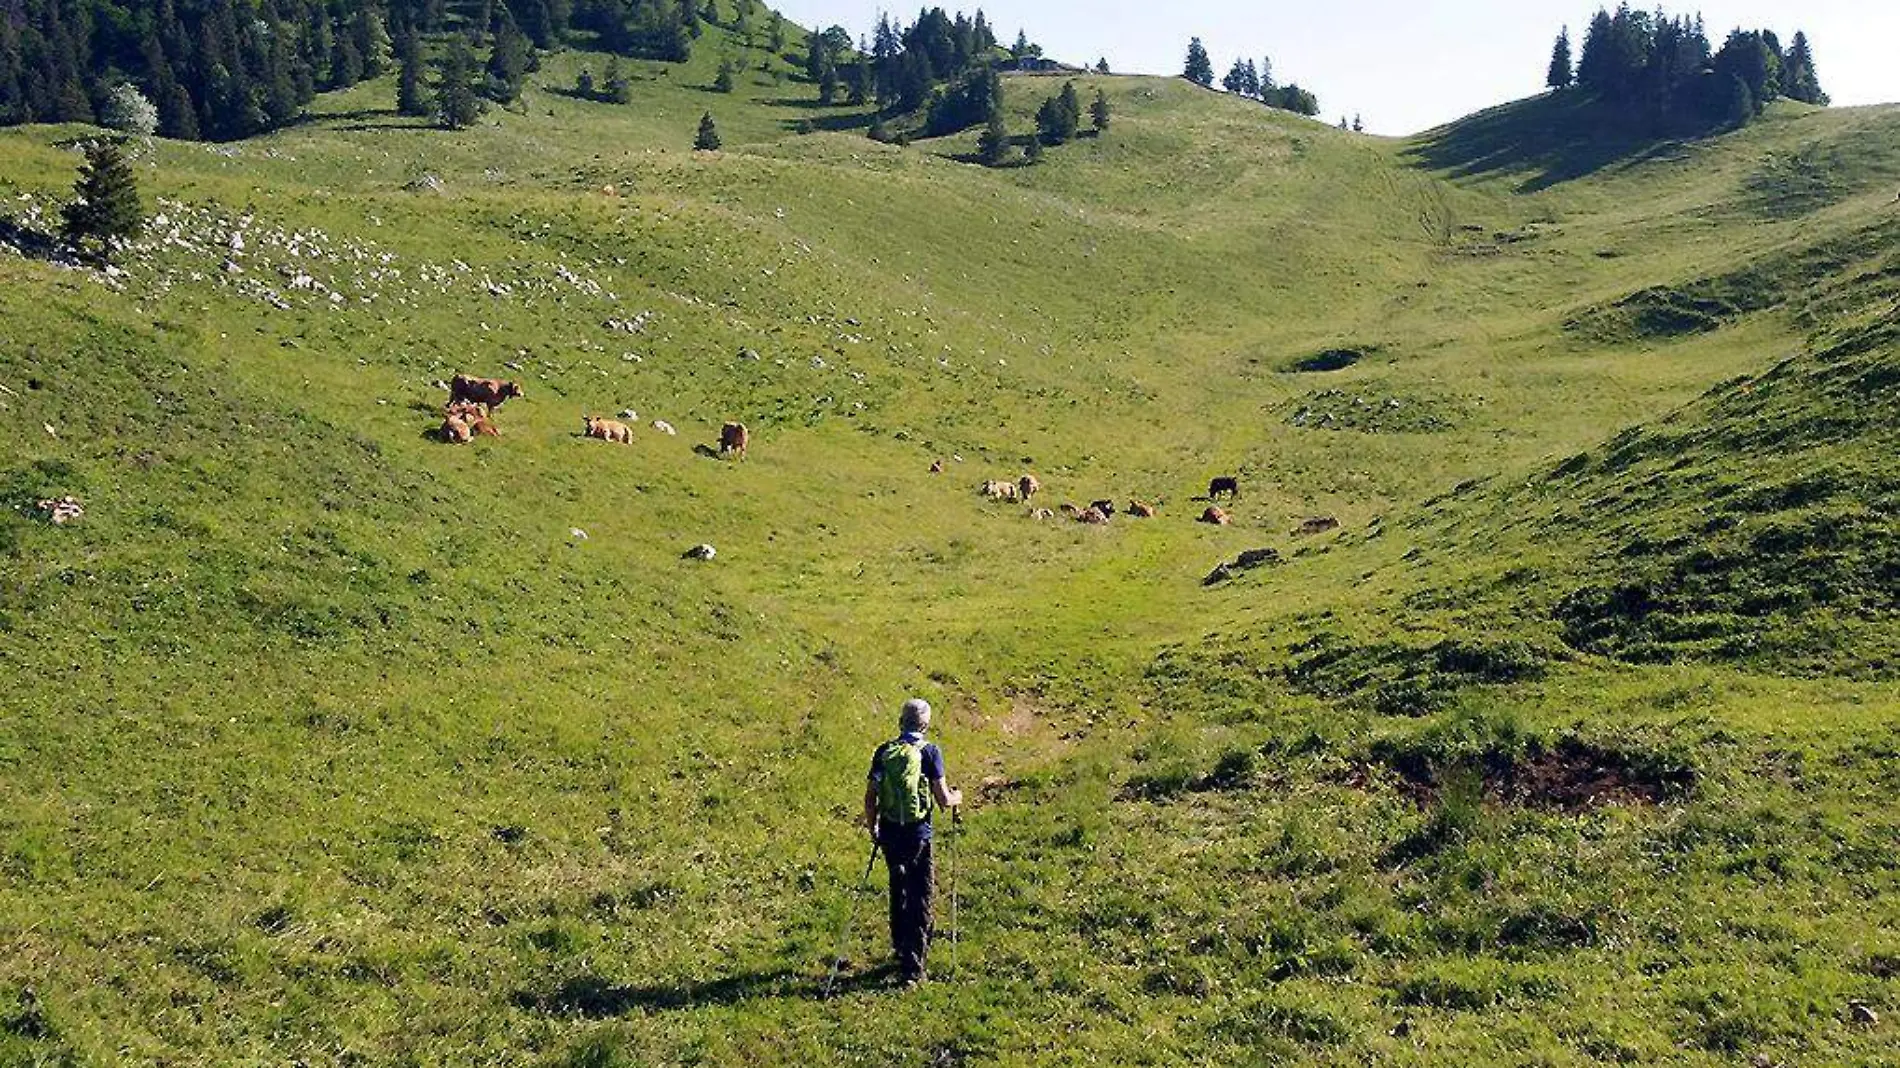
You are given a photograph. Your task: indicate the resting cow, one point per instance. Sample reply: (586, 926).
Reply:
(1216, 516)
(1140, 510)
(490, 393)
(608, 430)
(1228, 484)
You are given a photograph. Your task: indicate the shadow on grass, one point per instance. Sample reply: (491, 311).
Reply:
(830, 123)
(1551, 139)
(34, 244)
(593, 997)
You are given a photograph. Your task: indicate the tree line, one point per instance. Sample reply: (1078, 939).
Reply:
(1245, 78)
(1660, 74)
(227, 69)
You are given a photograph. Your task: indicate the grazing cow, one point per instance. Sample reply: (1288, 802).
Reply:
(1216, 516)
(1028, 486)
(1140, 510)
(734, 437)
(1107, 508)
(490, 393)
(999, 491)
(1228, 484)
(1093, 516)
(1041, 515)
(936, 467)
(484, 427)
(608, 430)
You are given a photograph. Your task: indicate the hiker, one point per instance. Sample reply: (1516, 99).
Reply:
(906, 784)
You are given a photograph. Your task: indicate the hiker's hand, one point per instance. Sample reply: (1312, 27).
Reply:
(956, 798)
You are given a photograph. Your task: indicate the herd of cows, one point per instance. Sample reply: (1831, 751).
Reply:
(1098, 513)
(470, 413)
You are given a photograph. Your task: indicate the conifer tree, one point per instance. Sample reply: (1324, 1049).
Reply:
(410, 99)
(1033, 152)
(456, 105)
(613, 81)
(1200, 69)
(1798, 78)
(1101, 65)
(105, 209)
(507, 64)
(993, 146)
(708, 138)
(722, 82)
(1560, 74)
(1099, 112)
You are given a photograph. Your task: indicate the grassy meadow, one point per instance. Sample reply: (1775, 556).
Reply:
(1575, 741)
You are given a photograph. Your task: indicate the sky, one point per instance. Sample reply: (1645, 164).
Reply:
(1404, 65)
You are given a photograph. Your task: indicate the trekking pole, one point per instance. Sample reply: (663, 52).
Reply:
(950, 863)
(850, 913)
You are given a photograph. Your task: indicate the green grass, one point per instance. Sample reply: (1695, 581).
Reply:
(326, 742)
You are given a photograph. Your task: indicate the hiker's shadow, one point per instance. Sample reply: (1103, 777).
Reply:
(594, 997)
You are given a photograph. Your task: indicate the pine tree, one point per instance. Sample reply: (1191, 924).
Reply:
(105, 210)
(1098, 111)
(456, 104)
(722, 82)
(1200, 69)
(708, 138)
(410, 99)
(1101, 65)
(1560, 74)
(584, 84)
(372, 41)
(1236, 80)
(1033, 152)
(1358, 124)
(993, 147)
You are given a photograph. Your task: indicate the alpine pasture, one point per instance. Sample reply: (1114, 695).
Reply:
(1575, 742)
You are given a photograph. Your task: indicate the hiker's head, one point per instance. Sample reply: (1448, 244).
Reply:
(915, 716)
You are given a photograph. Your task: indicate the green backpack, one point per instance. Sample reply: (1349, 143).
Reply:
(903, 796)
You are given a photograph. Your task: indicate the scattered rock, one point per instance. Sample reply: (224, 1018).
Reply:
(1862, 1013)
(629, 415)
(62, 510)
(428, 183)
(701, 552)
(577, 534)
(50, 432)
(664, 427)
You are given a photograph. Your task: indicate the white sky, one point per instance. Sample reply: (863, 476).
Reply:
(1406, 66)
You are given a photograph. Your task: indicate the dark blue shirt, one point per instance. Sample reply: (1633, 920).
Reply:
(933, 772)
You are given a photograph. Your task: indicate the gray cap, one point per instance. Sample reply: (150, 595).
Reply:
(915, 714)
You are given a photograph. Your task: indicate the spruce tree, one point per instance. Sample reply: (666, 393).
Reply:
(1098, 111)
(722, 82)
(708, 138)
(1560, 74)
(993, 146)
(456, 104)
(613, 81)
(507, 64)
(105, 209)
(1236, 80)
(1200, 69)
(410, 98)
(1101, 65)
(1798, 78)
(1032, 152)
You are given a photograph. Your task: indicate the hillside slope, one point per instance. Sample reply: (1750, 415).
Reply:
(328, 741)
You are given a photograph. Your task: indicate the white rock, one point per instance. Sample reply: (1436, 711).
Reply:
(664, 427)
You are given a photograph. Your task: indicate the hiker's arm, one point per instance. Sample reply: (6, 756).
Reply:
(870, 809)
(946, 796)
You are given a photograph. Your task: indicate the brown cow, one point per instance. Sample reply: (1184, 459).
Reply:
(608, 430)
(1216, 516)
(1319, 524)
(455, 430)
(734, 437)
(1228, 484)
(490, 393)
(1140, 510)
(484, 427)
(1092, 516)
(1028, 486)
(1071, 511)
(998, 491)
(936, 467)
(1107, 508)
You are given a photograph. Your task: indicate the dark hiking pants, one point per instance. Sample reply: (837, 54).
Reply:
(908, 860)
